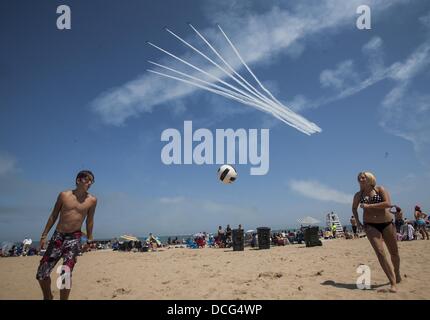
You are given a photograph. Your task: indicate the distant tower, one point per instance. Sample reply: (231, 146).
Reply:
(333, 219)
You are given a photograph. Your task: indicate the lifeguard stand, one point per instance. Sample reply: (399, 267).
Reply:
(333, 219)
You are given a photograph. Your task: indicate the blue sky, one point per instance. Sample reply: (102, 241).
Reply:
(82, 98)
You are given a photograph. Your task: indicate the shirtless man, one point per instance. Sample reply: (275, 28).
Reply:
(73, 206)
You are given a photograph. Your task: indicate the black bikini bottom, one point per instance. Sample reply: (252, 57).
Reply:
(379, 226)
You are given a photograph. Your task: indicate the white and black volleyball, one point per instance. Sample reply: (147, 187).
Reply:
(227, 174)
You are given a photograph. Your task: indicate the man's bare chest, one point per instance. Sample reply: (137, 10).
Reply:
(73, 205)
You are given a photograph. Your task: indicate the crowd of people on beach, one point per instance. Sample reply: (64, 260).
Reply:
(407, 230)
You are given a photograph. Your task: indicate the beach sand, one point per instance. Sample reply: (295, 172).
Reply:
(290, 272)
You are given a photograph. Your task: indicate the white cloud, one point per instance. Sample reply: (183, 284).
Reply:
(404, 112)
(402, 72)
(408, 116)
(374, 44)
(373, 50)
(171, 200)
(343, 76)
(259, 37)
(425, 20)
(413, 65)
(7, 163)
(316, 190)
(298, 103)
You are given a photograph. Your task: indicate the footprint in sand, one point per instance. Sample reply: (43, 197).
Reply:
(240, 291)
(385, 291)
(120, 291)
(270, 275)
(104, 281)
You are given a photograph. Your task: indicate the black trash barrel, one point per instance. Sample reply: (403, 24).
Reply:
(263, 237)
(238, 240)
(312, 237)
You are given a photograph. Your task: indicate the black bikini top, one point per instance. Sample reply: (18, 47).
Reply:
(377, 198)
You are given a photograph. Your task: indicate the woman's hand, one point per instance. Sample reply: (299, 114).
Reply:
(364, 205)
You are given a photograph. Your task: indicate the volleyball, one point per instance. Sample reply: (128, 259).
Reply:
(227, 174)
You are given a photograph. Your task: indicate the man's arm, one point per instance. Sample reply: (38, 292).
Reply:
(54, 216)
(51, 221)
(90, 220)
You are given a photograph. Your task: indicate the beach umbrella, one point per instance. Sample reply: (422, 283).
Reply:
(129, 238)
(308, 220)
(250, 231)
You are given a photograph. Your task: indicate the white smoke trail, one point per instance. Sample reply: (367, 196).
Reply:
(252, 97)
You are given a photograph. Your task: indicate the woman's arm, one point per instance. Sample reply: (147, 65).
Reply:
(355, 203)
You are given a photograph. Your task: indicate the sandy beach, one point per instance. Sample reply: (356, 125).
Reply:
(290, 272)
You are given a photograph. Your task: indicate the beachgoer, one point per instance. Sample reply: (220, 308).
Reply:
(228, 233)
(420, 222)
(72, 207)
(333, 230)
(254, 241)
(26, 246)
(354, 226)
(399, 221)
(407, 231)
(378, 224)
(221, 236)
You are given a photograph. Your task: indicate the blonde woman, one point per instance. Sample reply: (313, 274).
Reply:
(378, 224)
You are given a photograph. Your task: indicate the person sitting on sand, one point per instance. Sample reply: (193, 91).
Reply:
(421, 223)
(378, 224)
(348, 235)
(72, 207)
(407, 231)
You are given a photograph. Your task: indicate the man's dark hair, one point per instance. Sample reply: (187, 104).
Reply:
(84, 174)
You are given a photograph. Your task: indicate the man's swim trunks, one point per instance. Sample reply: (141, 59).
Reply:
(62, 245)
